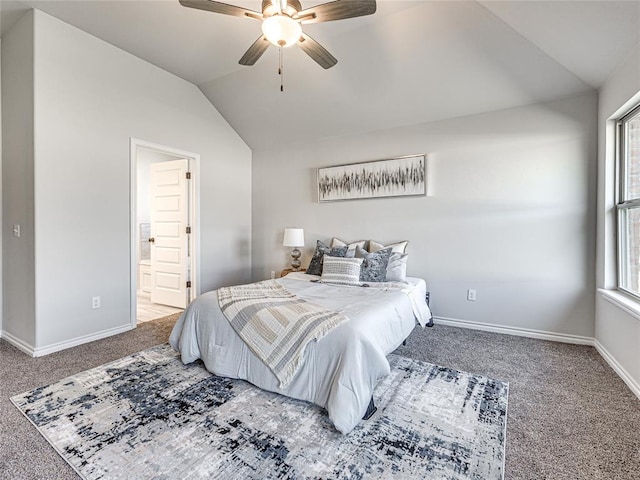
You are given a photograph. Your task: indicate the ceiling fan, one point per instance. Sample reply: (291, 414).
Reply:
(281, 23)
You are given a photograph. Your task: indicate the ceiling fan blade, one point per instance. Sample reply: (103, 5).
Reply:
(316, 51)
(255, 51)
(337, 10)
(219, 7)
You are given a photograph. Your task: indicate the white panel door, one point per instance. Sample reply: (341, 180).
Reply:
(169, 240)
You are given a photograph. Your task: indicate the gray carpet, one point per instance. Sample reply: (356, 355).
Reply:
(570, 415)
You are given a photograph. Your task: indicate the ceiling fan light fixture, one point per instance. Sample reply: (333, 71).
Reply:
(281, 30)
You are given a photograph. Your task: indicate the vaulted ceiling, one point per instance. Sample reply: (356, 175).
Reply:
(412, 62)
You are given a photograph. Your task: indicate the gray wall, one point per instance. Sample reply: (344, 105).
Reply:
(17, 178)
(617, 329)
(91, 98)
(510, 211)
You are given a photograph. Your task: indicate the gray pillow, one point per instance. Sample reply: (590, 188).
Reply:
(374, 265)
(315, 265)
(397, 267)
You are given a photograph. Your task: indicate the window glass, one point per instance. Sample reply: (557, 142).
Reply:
(629, 221)
(632, 154)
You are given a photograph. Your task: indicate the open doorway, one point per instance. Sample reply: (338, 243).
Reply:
(164, 233)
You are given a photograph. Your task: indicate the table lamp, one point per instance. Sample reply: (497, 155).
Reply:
(294, 237)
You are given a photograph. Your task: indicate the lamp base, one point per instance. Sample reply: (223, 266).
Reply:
(295, 259)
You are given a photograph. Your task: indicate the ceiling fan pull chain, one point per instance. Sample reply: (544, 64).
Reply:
(280, 71)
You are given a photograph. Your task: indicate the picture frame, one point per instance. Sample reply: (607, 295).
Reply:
(392, 177)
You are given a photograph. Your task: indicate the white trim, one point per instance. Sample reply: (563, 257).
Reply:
(194, 216)
(619, 369)
(56, 347)
(19, 344)
(623, 302)
(520, 332)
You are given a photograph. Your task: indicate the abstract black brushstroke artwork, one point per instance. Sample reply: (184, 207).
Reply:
(395, 177)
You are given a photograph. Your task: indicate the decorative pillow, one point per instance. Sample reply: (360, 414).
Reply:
(397, 267)
(399, 247)
(315, 265)
(341, 271)
(336, 242)
(374, 266)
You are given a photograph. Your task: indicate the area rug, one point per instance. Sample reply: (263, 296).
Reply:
(149, 416)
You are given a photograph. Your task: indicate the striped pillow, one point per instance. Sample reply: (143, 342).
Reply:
(341, 271)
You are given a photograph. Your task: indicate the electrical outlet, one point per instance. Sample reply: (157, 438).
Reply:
(471, 295)
(273, 274)
(95, 302)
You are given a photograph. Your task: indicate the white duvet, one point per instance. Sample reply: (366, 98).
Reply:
(340, 370)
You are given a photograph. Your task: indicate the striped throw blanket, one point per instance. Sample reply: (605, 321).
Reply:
(275, 324)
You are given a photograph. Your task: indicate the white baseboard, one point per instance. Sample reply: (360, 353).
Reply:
(18, 343)
(521, 332)
(619, 369)
(56, 347)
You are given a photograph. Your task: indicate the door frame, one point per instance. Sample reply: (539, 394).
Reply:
(194, 217)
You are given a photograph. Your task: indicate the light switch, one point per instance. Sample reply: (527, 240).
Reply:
(16, 231)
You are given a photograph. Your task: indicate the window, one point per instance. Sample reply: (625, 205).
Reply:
(629, 202)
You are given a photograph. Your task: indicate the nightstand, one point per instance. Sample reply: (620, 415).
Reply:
(287, 271)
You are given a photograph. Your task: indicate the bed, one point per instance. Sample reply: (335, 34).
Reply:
(340, 370)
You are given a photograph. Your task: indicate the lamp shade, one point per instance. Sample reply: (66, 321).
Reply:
(293, 237)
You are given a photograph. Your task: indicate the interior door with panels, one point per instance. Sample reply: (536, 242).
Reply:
(169, 239)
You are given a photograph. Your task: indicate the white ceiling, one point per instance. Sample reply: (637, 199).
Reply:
(412, 62)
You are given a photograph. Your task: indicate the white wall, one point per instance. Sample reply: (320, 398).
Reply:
(91, 98)
(617, 330)
(510, 211)
(17, 188)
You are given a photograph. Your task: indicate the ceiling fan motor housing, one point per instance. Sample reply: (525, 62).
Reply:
(293, 7)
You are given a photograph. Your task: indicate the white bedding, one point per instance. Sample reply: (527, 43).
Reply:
(341, 370)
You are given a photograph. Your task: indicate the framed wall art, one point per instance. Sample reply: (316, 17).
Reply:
(393, 177)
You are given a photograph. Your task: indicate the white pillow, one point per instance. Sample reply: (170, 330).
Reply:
(397, 267)
(341, 270)
(399, 247)
(351, 250)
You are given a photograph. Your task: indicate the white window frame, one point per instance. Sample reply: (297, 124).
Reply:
(623, 203)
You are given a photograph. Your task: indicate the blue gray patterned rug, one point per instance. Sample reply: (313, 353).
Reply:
(149, 416)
